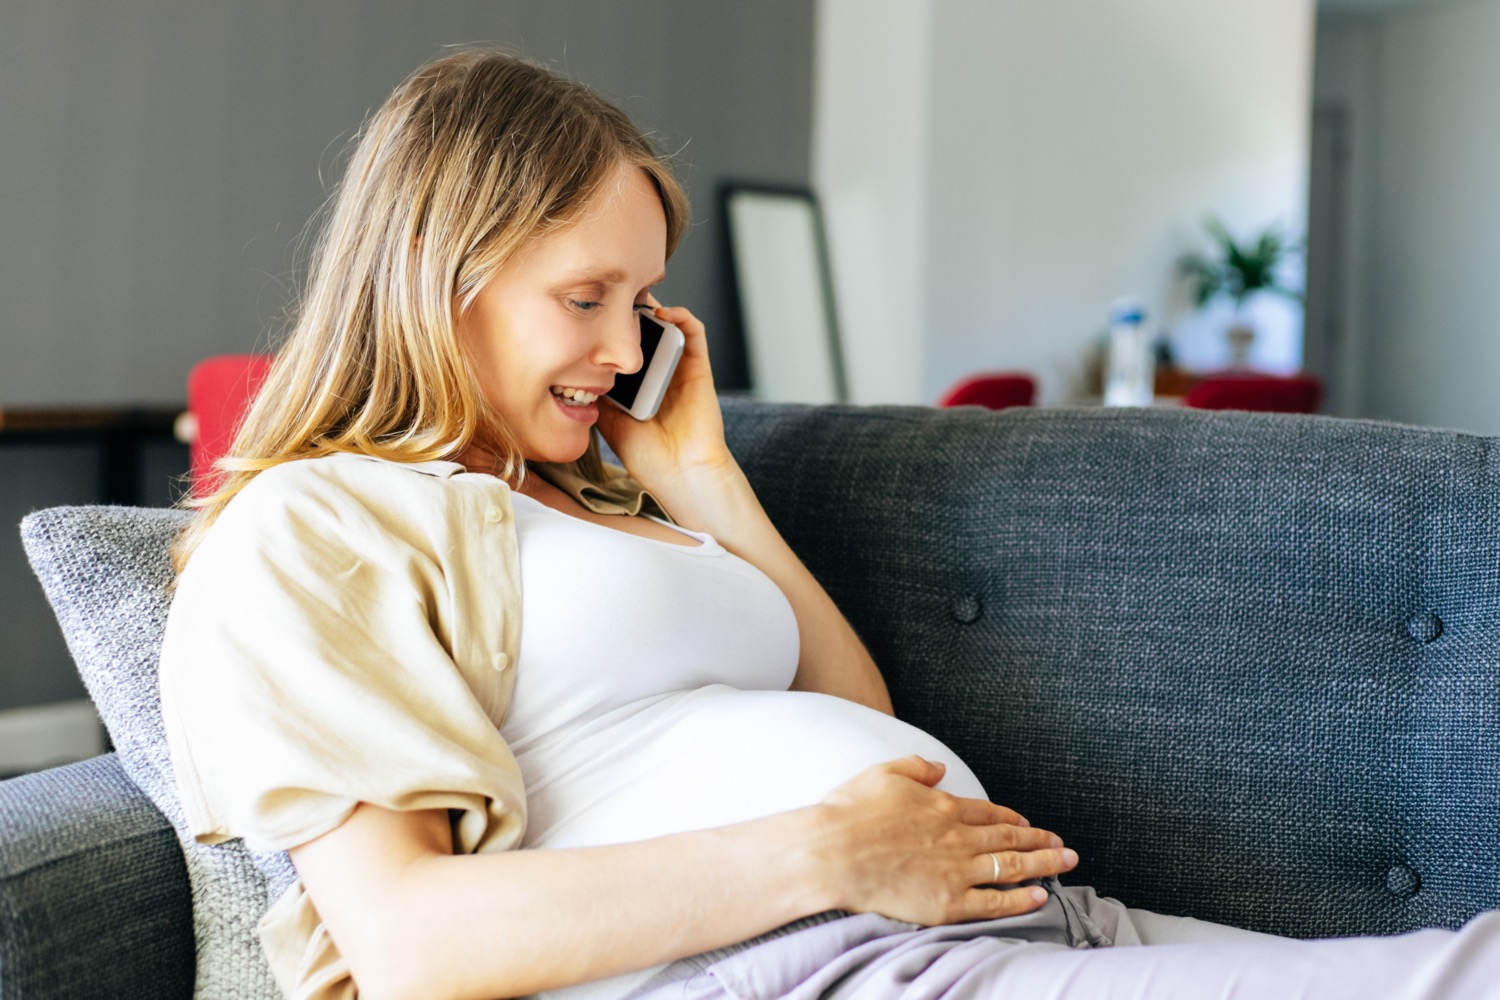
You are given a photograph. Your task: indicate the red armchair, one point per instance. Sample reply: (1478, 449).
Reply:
(219, 392)
(1256, 391)
(995, 390)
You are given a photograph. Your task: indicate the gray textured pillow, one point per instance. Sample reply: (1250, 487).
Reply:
(107, 572)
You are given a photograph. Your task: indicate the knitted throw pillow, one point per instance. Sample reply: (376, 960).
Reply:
(107, 574)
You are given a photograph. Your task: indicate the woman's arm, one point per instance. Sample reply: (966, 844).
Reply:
(832, 660)
(682, 458)
(414, 920)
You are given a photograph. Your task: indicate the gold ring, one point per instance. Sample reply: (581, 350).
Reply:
(996, 862)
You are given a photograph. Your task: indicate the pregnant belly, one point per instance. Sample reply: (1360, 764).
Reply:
(709, 757)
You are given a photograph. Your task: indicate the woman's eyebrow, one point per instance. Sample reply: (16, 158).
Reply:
(607, 276)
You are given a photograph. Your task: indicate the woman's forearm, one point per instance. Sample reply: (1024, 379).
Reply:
(832, 658)
(414, 920)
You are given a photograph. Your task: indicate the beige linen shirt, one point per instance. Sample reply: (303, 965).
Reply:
(347, 632)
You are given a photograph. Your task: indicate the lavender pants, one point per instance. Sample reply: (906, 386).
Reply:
(1081, 945)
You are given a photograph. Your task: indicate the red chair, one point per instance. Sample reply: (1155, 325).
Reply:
(994, 390)
(1256, 391)
(219, 393)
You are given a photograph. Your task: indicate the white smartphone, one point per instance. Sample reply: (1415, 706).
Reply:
(640, 393)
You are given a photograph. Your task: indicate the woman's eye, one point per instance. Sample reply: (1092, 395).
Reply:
(584, 305)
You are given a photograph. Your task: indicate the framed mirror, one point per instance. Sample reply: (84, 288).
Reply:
(779, 260)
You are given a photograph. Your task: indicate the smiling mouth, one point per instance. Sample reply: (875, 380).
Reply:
(574, 397)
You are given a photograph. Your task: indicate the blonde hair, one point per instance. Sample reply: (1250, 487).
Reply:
(470, 157)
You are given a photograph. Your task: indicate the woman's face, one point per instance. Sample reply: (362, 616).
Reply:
(548, 335)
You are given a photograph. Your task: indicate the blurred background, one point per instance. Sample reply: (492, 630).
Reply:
(993, 174)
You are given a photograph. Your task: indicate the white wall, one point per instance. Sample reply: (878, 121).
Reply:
(1071, 152)
(1420, 83)
(871, 112)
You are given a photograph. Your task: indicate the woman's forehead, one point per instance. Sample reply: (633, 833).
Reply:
(621, 234)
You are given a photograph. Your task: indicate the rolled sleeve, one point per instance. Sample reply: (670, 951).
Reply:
(339, 637)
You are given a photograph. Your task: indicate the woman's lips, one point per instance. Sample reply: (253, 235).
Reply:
(582, 414)
(577, 404)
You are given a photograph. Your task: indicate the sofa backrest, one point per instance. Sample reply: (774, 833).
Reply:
(1245, 663)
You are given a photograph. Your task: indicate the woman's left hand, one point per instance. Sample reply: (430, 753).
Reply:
(680, 453)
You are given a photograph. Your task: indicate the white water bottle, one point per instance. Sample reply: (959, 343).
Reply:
(1130, 376)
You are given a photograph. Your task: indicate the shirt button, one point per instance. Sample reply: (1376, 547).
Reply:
(494, 515)
(501, 661)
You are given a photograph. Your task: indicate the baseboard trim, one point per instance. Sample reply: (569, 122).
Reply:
(46, 735)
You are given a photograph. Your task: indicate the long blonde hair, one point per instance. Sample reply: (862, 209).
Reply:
(470, 157)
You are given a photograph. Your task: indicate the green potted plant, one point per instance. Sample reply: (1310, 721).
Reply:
(1239, 271)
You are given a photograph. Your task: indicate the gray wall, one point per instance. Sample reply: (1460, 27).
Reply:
(159, 158)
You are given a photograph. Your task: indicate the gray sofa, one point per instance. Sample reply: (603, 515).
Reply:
(1246, 664)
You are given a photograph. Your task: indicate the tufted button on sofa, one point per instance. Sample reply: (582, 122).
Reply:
(1425, 627)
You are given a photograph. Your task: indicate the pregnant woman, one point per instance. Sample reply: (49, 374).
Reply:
(527, 722)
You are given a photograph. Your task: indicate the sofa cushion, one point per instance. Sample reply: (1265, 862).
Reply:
(107, 573)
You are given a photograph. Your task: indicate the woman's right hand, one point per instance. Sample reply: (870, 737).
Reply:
(895, 845)
(414, 919)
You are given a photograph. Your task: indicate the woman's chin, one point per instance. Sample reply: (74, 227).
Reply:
(560, 452)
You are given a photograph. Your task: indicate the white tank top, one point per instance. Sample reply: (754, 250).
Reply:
(651, 695)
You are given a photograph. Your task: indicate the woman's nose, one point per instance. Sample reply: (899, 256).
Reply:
(620, 346)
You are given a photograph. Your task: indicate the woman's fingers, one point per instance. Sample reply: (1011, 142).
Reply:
(682, 318)
(920, 769)
(991, 904)
(694, 334)
(1007, 868)
(1004, 837)
(979, 812)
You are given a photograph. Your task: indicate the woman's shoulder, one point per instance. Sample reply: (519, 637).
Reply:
(349, 472)
(355, 500)
(358, 480)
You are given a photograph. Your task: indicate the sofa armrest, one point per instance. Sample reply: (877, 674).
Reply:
(94, 898)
